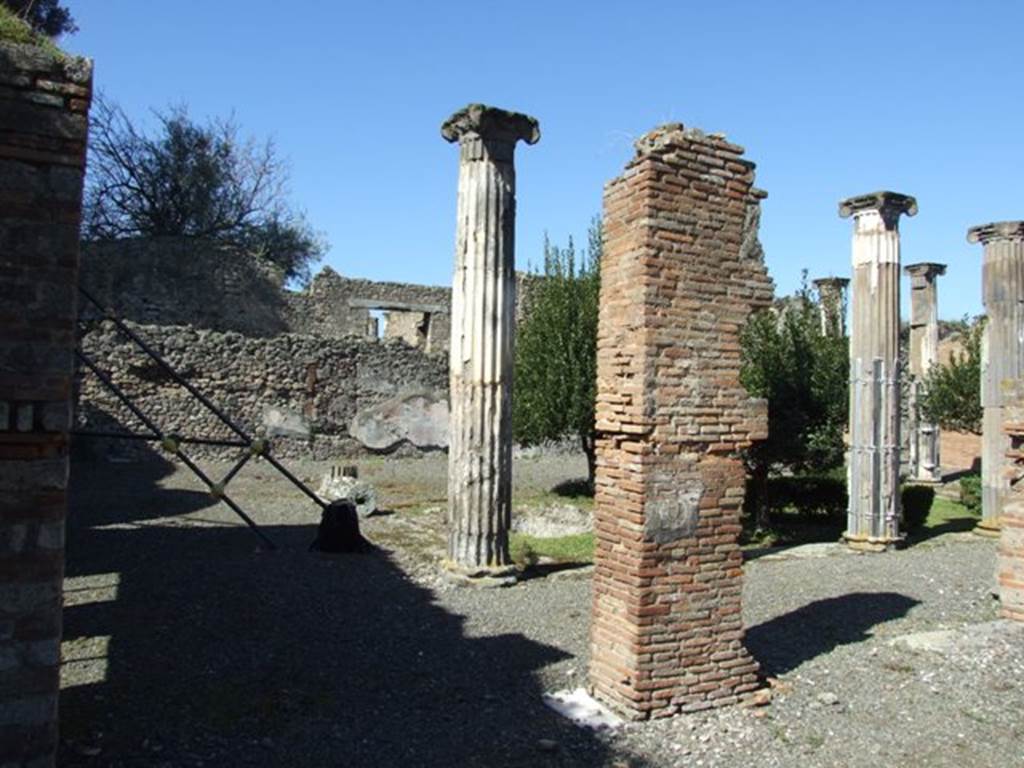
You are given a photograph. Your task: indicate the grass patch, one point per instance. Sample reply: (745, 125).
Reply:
(552, 499)
(14, 30)
(946, 511)
(527, 550)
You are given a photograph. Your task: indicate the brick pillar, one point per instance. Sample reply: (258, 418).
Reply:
(482, 329)
(44, 102)
(832, 305)
(1010, 557)
(1002, 353)
(873, 522)
(680, 272)
(924, 353)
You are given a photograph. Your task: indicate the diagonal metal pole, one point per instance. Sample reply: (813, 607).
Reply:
(216, 491)
(178, 378)
(236, 469)
(295, 481)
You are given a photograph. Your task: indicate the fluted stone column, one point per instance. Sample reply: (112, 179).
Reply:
(831, 292)
(1002, 350)
(924, 353)
(874, 463)
(483, 323)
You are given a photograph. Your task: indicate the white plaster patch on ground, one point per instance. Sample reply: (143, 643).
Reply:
(947, 641)
(801, 552)
(582, 709)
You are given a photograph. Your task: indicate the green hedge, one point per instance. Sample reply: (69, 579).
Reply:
(970, 493)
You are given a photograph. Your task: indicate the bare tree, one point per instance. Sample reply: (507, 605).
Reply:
(192, 180)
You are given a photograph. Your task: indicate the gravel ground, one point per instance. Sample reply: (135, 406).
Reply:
(186, 645)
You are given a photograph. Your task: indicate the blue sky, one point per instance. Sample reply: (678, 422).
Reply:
(830, 100)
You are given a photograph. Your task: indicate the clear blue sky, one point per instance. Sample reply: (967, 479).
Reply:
(830, 100)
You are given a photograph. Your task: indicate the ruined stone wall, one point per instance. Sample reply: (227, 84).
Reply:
(184, 281)
(682, 270)
(289, 384)
(176, 281)
(335, 306)
(44, 103)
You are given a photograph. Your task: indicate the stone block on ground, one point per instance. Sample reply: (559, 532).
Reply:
(336, 487)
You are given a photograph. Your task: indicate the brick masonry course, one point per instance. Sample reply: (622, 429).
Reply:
(682, 270)
(44, 101)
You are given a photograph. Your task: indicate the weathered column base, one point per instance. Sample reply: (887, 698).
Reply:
(872, 544)
(988, 528)
(479, 576)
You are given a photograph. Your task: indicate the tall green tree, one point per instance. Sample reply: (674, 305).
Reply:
(952, 392)
(556, 348)
(192, 180)
(803, 374)
(46, 17)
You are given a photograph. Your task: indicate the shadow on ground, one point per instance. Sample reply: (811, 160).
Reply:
(784, 643)
(222, 654)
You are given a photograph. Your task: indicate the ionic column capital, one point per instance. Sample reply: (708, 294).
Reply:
(484, 131)
(927, 270)
(996, 230)
(888, 205)
(835, 283)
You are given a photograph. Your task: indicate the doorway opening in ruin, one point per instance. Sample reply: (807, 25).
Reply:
(378, 324)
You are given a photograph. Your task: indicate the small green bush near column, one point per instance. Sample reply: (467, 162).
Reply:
(970, 493)
(917, 503)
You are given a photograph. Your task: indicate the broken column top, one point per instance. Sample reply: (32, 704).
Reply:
(925, 269)
(491, 124)
(996, 230)
(885, 202)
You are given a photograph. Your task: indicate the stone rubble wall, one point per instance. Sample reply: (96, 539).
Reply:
(317, 384)
(174, 281)
(682, 270)
(44, 105)
(182, 281)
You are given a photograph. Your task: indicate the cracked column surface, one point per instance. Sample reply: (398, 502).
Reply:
(874, 464)
(482, 327)
(1002, 353)
(924, 353)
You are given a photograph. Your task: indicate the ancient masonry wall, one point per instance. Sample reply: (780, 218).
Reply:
(182, 281)
(316, 384)
(1010, 561)
(682, 271)
(176, 281)
(44, 103)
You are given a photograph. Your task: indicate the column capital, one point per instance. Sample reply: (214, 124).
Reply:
(889, 204)
(831, 282)
(926, 269)
(996, 230)
(478, 125)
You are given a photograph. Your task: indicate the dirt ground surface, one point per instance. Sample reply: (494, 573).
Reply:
(186, 644)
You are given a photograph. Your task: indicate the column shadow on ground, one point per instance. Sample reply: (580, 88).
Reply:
(223, 654)
(784, 643)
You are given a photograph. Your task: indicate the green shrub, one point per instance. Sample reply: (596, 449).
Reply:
(952, 391)
(970, 493)
(808, 495)
(917, 503)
